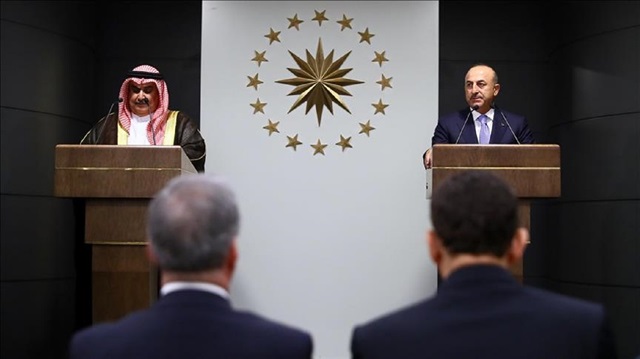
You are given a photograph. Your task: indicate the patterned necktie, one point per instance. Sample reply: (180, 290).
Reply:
(484, 130)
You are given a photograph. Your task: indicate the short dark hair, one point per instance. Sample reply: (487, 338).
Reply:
(495, 73)
(475, 212)
(192, 222)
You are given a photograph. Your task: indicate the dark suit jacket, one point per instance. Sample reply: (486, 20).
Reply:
(191, 324)
(449, 127)
(483, 312)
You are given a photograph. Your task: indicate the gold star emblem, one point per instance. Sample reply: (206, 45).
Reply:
(258, 106)
(379, 107)
(254, 82)
(366, 128)
(345, 23)
(319, 81)
(259, 58)
(366, 36)
(320, 17)
(344, 143)
(385, 82)
(293, 142)
(272, 36)
(294, 22)
(318, 148)
(379, 58)
(272, 127)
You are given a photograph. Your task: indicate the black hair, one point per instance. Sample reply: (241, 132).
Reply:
(475, 212)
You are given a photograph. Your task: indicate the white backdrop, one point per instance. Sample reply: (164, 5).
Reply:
(330, 238)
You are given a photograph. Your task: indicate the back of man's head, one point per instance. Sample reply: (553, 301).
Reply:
(192, 223)
(475, 212)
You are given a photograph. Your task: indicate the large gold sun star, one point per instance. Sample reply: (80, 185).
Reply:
(319, 81)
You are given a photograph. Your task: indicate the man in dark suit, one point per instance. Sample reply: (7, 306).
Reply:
(480, 310)
(192, 226)
(468, 126)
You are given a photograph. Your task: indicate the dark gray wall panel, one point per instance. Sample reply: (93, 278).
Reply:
(37, 238)
(46, 72)
(37, 319)
(47, 88)
(180, 24)
(594, 243)
(66, 18)
(597, 77)
(588, 18)
(495, 35)
(28, 149)
(600, 158)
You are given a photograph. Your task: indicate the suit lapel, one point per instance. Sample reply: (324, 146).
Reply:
(469, 133)
(497, 133)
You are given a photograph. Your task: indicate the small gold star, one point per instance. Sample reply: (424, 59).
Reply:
(294, 22)
(320, 17)
(272, 127)
(379, 107)
(344, 143)
(259, 58)
(366, 36)
(366, 128)
(346, 23)
(272, 36)
(293, 142)
(385, 82)
(318, 148)
(254, 82)
(380, 58)
(258, 106)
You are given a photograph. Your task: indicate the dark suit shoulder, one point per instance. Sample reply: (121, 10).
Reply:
(564, 305)
(192, 324)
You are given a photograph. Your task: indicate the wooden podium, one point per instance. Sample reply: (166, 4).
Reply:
(117, 183)
(532, 170)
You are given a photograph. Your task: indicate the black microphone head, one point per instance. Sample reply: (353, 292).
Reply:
(475, 107)
(120, 99)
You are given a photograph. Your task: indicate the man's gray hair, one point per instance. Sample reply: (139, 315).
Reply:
(192, 222)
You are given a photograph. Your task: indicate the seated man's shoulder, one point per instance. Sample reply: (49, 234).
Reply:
(569, 305)
(405, 318)
(261, 323)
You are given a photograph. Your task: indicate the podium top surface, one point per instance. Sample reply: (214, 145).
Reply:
(116, 171)
(532, 170)
(486, 156)
(119, 156)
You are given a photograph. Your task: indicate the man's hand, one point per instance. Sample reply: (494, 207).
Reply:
(427, 159)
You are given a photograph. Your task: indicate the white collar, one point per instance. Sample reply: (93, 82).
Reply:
(207, 287)
(489, 114)
(137, 118)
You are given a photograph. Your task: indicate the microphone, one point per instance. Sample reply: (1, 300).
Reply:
(508, 125)
(474, 108)
(105, 118)
(153, 133)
